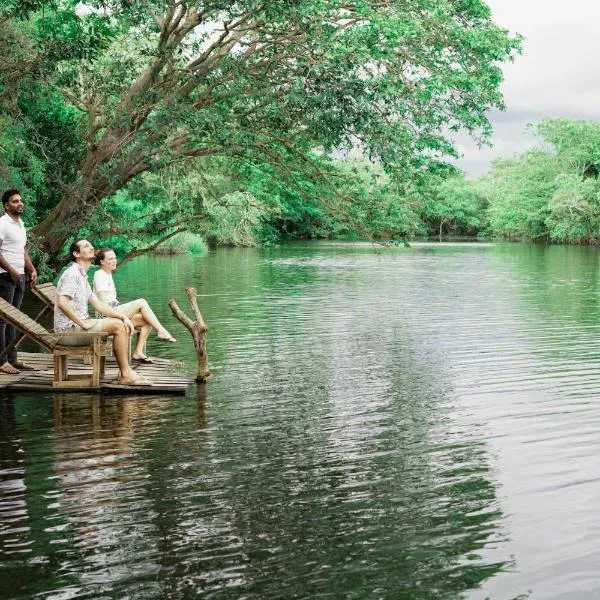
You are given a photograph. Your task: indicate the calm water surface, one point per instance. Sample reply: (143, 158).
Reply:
(399, 423)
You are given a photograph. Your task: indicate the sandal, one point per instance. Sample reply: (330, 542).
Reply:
(22, 366)
(8, 369)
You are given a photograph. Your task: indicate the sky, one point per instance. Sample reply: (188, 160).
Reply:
(556, 76)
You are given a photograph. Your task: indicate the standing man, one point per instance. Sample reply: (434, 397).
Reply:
(73, 292)
(14, 262)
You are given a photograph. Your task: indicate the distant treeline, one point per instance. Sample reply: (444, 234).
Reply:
(550, 193)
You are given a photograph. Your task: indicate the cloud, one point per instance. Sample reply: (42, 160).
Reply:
(557, 75)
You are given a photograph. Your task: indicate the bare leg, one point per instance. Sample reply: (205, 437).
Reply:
(145, 329)
(142, 307)
(116, 328)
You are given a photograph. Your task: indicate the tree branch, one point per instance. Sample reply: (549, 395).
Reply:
(140, 251)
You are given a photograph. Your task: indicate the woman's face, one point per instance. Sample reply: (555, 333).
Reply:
(109, 262)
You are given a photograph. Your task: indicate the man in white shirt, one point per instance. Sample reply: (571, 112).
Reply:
(73, 293)
(14, 262)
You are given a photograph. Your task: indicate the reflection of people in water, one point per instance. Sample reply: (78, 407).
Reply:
(100, 478)
(138, 311)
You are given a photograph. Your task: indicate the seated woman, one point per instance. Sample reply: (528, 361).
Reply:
(138, 311)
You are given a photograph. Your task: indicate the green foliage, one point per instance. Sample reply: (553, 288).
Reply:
(454, 205)
(518, 191)
(117, 107)
(574, 210)
(551, 192)
(182, 243)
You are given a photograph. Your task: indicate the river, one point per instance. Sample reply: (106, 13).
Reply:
(381, 423)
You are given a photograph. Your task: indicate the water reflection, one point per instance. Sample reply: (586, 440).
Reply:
(400, 424)
(14, 529)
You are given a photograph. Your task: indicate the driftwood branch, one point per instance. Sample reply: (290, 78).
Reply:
(197, 328)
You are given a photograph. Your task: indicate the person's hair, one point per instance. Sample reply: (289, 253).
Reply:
(101, 254)
(8, 194)
(74, 247)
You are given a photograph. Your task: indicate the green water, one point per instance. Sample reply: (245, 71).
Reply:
(399, 423)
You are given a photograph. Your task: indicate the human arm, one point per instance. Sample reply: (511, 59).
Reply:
(64, 304)
(29, 268)
(105, 309)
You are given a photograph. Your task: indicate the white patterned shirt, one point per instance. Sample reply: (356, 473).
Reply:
(74, 284)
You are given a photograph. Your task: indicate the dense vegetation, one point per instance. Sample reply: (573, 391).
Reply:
(132, 121)
(550, 193)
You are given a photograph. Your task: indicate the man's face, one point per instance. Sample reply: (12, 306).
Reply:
(86, 251)
(14, 206)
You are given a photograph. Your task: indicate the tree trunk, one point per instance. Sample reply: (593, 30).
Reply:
(56, 228)
(84, 195)
(197, 328)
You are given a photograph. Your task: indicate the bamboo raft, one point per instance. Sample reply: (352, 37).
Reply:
(163, 373)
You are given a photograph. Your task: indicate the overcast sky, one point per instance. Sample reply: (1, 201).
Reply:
(557, 75)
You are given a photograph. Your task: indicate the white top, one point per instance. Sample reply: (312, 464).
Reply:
(12, 243)
(103, 282)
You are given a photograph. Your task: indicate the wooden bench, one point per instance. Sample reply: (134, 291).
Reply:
(47, 293)
(94, 346)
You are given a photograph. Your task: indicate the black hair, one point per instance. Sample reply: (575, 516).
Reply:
(74, 247)
(8, 194)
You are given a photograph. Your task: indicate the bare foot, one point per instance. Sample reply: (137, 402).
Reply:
(142, 359)
(165, 336)
(22, 366)
(139, 380)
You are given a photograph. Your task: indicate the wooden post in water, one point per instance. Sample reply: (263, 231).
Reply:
(197, 328)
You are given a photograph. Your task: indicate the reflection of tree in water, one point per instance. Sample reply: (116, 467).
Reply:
(373, 490)
(326, 474)
(27, 490)
(14, 528)
(96, 510)
(104, 486)
(196, 543)
(549, 282)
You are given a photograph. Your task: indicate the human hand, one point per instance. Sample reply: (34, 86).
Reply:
(88, 324)
(129, 328)
(33, 277)
(14, 276)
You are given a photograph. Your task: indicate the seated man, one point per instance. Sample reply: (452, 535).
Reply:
(71, 312)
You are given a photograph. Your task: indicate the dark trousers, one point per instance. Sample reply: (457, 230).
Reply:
(11, 292)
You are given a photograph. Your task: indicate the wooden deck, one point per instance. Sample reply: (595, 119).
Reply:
(163, 373)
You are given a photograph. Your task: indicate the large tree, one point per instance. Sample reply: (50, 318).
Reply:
(157, 82)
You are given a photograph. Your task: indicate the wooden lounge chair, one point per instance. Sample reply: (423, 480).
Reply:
(95, 347)
(46, 292)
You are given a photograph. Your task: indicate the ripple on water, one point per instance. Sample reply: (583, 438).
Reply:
(398, 423)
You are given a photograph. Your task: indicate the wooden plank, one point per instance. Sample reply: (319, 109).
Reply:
(165, 381)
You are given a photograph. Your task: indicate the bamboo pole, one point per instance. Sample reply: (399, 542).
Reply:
(197, 328)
